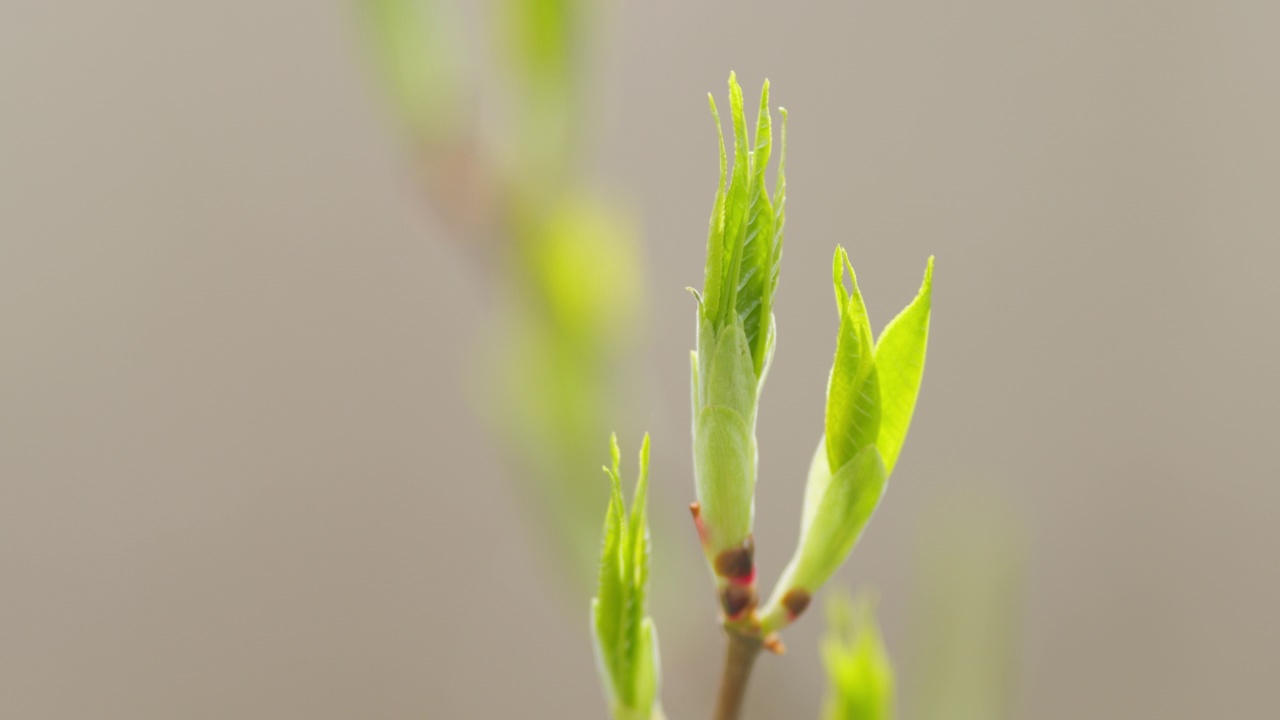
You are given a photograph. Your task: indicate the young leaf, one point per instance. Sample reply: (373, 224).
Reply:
(735, 205)
(715, 235)
(899, 359)
(756, 274)
(853, 392)
(779, 223)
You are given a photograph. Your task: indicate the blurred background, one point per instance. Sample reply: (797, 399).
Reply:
(306, 371)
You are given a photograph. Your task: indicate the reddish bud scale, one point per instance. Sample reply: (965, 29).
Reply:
(737, 600)
(738, 563)
(796, 601)
(696, 510)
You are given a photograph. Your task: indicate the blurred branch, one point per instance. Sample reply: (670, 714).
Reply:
(565, 265)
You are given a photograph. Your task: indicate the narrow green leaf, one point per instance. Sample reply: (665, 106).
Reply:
(610, 593)
(639, 528)
(755, 275)
(736, 201)
(853, 391)
(899, 359)
(715, 235)
(779, 213)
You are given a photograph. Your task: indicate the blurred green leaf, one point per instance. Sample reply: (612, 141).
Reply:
(418, 61)
(541, 37)
(584, 259)
(859, 674)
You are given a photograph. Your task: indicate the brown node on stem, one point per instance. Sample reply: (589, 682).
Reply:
(737, 563)
(737, 599)
(795, 601)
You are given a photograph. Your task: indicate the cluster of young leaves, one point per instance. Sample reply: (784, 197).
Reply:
(859, 674)
(871, 395)
(873, 388)
(744, 243)
(626, 641)
(735, 321)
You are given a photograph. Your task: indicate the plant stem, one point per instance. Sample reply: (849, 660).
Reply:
(738, 660)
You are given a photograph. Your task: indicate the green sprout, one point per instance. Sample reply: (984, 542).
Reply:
(626, 641)
(871, 396)
(735, 342)
(859, 674)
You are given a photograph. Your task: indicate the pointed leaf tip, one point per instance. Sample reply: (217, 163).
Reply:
(614, 453)
(900, 358)
(837, 279)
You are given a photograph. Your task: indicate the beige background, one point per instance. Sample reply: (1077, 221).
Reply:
(238, 473)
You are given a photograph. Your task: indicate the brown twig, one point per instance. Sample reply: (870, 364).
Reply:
(739, 658)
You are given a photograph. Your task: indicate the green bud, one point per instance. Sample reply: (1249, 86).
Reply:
(626, 640)
(871, 396)
(859, 673)
(735, 343)
(872, 391)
